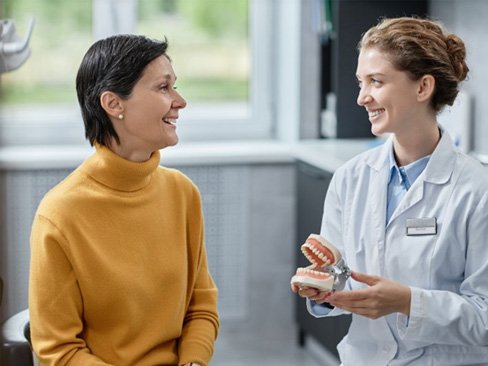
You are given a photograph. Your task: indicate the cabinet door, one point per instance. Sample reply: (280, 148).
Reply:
(312, 184)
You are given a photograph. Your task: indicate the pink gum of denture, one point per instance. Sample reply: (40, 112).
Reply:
(319, 251)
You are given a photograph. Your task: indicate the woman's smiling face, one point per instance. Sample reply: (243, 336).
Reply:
(151, 111)
(389, 95)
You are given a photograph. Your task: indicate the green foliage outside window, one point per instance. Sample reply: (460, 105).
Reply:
(208, 43)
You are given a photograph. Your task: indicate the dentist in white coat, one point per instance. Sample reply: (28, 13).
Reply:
(411, 216)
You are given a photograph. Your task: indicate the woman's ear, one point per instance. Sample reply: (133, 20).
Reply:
(426, 87)
(112, 104)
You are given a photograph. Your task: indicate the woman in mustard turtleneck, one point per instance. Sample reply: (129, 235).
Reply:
(118, 263)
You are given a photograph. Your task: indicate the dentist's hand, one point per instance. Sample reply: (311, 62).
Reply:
(312, 293)
(381, 297)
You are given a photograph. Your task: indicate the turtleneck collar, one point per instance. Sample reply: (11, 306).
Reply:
(118, 173)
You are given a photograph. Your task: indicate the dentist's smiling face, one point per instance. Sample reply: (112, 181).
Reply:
(389, 95)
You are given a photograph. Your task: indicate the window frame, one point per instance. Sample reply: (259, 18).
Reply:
(230, 121)
(35, 125)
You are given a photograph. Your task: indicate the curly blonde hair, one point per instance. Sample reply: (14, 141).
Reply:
(422, 47)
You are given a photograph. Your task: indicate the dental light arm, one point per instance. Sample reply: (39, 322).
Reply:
(14, 51)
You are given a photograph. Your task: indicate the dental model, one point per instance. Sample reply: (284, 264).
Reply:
(328, 271)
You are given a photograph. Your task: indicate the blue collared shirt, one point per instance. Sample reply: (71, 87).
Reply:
(400, 181)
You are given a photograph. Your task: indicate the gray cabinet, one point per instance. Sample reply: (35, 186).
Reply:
(312, 184)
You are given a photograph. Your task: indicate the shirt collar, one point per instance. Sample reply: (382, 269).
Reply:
(441, 163)
(407, 174)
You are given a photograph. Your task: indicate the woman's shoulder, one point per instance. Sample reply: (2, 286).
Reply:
(471, 170)
(173, 173)
(175, 176)
(61, 198)
(375, 156)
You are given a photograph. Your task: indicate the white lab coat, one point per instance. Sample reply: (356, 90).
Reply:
(447, 272)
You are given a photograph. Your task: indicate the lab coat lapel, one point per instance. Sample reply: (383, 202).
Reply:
(379, 180)
(414, 195)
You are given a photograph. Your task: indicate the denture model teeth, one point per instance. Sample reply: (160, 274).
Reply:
(313, 277)
(321, 254)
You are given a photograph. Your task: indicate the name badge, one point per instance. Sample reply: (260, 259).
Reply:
(423, 226)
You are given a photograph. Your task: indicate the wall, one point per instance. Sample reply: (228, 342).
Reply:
(467, 19)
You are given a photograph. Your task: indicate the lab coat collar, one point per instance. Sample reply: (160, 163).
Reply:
(379, 162)
(441, 164)
(439, 168)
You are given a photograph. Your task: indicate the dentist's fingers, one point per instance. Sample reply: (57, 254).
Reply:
(382, 298)
(308, 292)
(321, 297)
(365, 278)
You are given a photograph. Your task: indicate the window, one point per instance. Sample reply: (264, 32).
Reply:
(220, 50)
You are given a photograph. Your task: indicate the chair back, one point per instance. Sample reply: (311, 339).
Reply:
(15, 349)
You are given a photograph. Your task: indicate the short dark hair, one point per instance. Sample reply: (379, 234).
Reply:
(421, 46)
(112, 64)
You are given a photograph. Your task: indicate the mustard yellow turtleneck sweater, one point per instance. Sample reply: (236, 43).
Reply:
(119, 270)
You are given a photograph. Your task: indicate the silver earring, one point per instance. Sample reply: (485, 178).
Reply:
(121, 116)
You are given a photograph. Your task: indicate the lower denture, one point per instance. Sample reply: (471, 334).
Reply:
(319, 275)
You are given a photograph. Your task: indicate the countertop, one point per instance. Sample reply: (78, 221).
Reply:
(327, 154)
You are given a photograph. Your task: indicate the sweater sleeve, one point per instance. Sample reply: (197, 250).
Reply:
(201, 322)
(55, 302)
